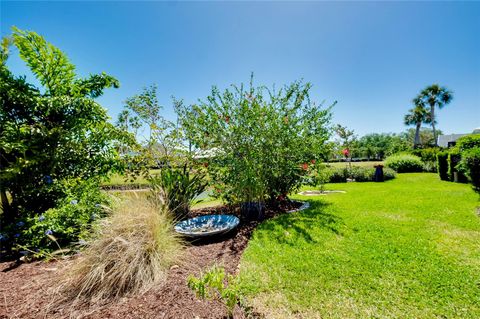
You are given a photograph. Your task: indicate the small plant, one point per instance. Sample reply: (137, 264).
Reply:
(404, 163)
(216, 284)
(320, 176)
(177, 187)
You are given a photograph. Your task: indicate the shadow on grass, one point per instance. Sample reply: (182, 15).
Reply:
(289, 228)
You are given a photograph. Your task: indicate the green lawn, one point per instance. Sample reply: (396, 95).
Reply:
(119, 180)
(407, 248)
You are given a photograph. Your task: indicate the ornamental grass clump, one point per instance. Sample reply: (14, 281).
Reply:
(131, 252)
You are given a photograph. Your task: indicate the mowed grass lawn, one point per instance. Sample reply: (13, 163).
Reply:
(406, 248)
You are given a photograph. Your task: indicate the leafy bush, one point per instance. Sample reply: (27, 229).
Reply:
(262, 142)
(130, 252)
(215, 284)
(177, 187)
(426, 154)
(50, 134)
(428, 157)
(442, 165)
(69, 222)
(339, 175)
(470, 166)
(404, 163)
(319, 176)
(388, 173)
(468, 142)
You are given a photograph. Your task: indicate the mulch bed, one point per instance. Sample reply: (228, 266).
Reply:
(26, 292)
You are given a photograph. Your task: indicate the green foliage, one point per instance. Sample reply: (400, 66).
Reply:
(426, 138)
(215, 284)
(50, 65)
(417, 116)
(359, 174)
(454, 156)
(50, 137)
(177, 187)
(378, 145)
(434, 96)
(68, 222)
(428, 157)
(470, 166)
(319, 177)
(261, 142)
(468, 142)
(404, 163)
(442, 165)
(426, 154)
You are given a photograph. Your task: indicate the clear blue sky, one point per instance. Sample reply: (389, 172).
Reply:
(373, 57)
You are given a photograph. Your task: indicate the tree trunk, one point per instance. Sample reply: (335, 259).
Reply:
(416, 142)
(432, 113)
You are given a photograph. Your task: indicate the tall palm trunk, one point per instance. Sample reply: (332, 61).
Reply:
(432, 114)
(416, 142)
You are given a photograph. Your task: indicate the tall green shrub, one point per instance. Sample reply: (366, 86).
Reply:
(52, 133)
(261, 142)
(468, 142)
(404, 163)
(470, 166)
(442, 165)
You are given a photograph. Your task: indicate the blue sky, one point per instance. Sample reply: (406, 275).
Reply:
(372, 57)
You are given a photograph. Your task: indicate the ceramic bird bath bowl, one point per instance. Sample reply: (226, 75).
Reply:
(208, 225)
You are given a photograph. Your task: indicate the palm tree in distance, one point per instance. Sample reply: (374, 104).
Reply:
(435, 95)
(417, 116)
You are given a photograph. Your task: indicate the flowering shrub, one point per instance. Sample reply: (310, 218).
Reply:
(69, 222)
(404, 163)
(262, 141)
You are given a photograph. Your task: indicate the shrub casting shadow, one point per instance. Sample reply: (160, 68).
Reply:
(286, 227)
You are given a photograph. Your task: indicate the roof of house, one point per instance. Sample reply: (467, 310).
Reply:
(443, 140)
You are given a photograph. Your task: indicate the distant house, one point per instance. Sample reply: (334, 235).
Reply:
(451, 139)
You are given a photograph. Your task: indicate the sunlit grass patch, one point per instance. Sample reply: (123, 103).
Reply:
(406, 248)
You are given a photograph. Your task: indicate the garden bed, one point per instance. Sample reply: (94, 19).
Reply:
(25, 291)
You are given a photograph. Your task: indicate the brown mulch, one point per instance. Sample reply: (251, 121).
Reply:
(26, 292)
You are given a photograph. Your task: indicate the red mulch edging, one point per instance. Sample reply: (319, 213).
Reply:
(25, 291)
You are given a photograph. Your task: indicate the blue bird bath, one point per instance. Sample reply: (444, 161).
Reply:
(208, 225)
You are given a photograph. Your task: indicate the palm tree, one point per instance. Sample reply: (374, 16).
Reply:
(416, 116)
(435, 95)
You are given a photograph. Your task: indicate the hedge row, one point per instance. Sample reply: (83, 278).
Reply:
(461, 163)
(359, 174)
